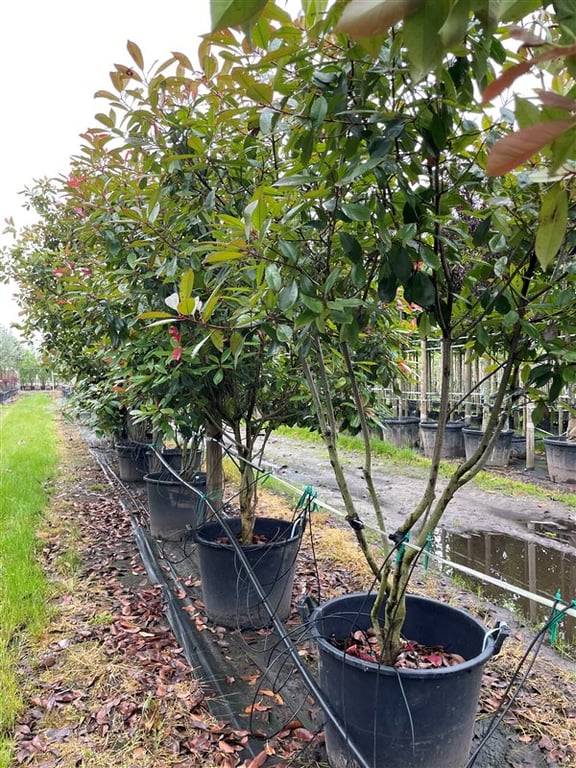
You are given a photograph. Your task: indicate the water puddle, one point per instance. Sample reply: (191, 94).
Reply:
(534, 565)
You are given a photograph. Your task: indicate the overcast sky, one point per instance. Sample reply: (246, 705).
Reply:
(54, 55)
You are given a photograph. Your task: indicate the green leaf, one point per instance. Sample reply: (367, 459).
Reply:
(482, 337)
(222, 256)
(290, 250)
(236, 343)
(288, 295)
(553, 223)
(273, 277)
(154, 314)
(233, 13)
(429, 257)
(420, 290)
(356, 211)
(256, 90)
(186, 284)
(367, 18)
(351, 247)
(187, 307)
(313, 304)
(400, 262)
(211, 304)
(331, 280)
(421, 33)
(539, 412)
(217, 339)
(284, 333)
(482, 231)
(456, 25)
(297, 180)
(387, 287)
(318, 111)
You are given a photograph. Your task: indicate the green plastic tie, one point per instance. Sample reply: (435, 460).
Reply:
(427, 550)
(402, 549)
(556, 618)
(308, 499)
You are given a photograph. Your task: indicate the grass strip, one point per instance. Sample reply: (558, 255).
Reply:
(28, 459)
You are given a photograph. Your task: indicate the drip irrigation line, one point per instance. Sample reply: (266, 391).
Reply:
(305, 674)
(195, 648)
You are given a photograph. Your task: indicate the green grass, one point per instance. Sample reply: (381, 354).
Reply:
(380, 448)
(28, 460)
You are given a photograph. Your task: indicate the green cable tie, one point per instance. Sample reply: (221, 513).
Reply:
(555, 619)
(427, 550)
(308, 495)
(402, 549)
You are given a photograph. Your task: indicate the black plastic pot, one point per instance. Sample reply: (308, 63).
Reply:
(561, 459)
(453, 445)
(402, 433)
(132, 464)
(172, 456)
(401, 718)
(229, 597)
(499, 456)
(175, 510)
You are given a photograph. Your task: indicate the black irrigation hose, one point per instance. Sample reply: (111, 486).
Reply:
(198, 656)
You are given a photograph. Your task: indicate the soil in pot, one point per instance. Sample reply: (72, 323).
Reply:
(401, 718)
(229, 596)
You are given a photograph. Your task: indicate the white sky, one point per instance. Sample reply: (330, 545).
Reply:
(54, 55)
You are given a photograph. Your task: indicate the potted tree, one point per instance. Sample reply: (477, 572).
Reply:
(140, 229)
(380, 188)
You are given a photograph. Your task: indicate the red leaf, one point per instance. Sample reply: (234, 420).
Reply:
(259, 760)
(551, 99)
(177, 354)
(518, 147)
(507, 78)
(303, 734)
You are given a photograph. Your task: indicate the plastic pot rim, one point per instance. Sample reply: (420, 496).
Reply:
(371, 666)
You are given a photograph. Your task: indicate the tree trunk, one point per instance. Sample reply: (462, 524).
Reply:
(214, 474)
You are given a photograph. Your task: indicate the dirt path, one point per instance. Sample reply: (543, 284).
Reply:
(472, 509)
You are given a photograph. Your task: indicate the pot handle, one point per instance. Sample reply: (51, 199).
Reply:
(500, 632)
